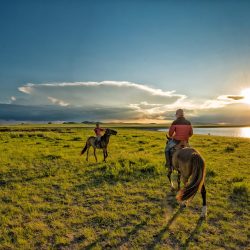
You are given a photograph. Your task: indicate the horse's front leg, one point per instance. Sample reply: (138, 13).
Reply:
(87, 157)
(204, 201)
(104, 154)
(95, 154)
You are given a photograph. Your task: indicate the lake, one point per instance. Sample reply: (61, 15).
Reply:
(231, 132)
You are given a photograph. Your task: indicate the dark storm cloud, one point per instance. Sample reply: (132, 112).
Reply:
(58, 113)
(236, 97)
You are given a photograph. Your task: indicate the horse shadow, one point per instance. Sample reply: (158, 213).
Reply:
(158, 237)
(173, 240)
(171, 201)
(194, 233)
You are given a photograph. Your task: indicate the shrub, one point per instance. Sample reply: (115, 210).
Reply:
(210, 173)
(53, 157)
(141, 142)
(237, 179)
(240, 193)
(240, 190)
(229, 149)
(148, 169)
(77, 138)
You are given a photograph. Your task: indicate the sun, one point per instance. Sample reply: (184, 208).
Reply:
(246, 95)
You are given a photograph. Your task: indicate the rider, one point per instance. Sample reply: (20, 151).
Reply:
(98, 132)
(180, 130)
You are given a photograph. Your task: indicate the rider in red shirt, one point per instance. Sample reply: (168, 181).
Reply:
(98, 133)
(180, 130)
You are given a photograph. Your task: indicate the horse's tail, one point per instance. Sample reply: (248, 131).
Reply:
(84, 149)
(197, 179)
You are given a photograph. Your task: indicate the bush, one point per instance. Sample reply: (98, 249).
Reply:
(240, 190)
(240, 193)
(148, 169)
(53, 157)
(229, 149)
(77, 138)
(237, 179)
(210, 173)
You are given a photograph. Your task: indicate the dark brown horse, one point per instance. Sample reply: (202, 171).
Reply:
(191, 169)
(91, 142)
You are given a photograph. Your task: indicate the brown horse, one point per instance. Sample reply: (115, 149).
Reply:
(191, 169)
(91, 141)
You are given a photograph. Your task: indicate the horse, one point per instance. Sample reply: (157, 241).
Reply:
(91, 141)
(191, 169)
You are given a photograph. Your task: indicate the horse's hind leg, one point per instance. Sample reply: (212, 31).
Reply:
(179, 180)
(169, 177)
(104, 155)
(95, 154)
(204, 201)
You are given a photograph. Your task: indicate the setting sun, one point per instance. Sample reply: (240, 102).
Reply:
(246, 94)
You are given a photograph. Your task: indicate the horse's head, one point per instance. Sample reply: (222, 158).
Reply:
(110, 132)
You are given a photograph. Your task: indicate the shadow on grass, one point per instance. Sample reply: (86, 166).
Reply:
(136, 228)
(172, 240)
(158, 237)
(25, 179)
(194, 233)
(171, 199)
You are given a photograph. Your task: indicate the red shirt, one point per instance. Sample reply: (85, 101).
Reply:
(98, 131)
(181, 129)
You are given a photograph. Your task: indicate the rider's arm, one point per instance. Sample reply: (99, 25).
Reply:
(191, 131)
(171, 130)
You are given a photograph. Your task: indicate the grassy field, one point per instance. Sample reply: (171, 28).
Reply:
(51, 198)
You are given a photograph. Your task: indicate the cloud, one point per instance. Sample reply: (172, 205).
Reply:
(110, 93)
(235, 97)
(221, 101)
(59, 113)
(27, 89)
(58, 102)
(122, 84)
(111, 100)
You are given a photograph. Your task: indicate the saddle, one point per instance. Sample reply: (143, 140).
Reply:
(181, 144)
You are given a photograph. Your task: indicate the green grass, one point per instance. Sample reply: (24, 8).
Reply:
(51, 198)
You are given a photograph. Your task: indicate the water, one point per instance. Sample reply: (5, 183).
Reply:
(231, 132)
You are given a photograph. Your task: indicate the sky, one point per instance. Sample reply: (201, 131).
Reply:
(125, 61)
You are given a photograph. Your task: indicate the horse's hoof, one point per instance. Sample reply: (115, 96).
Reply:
(183, 205)
(204, 212)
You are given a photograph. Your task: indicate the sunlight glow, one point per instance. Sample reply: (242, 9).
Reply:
(245, 132)
(246, 94)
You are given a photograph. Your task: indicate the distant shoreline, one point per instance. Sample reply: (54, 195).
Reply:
(153, 127)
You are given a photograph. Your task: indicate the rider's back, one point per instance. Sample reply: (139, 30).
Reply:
(181, 129)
